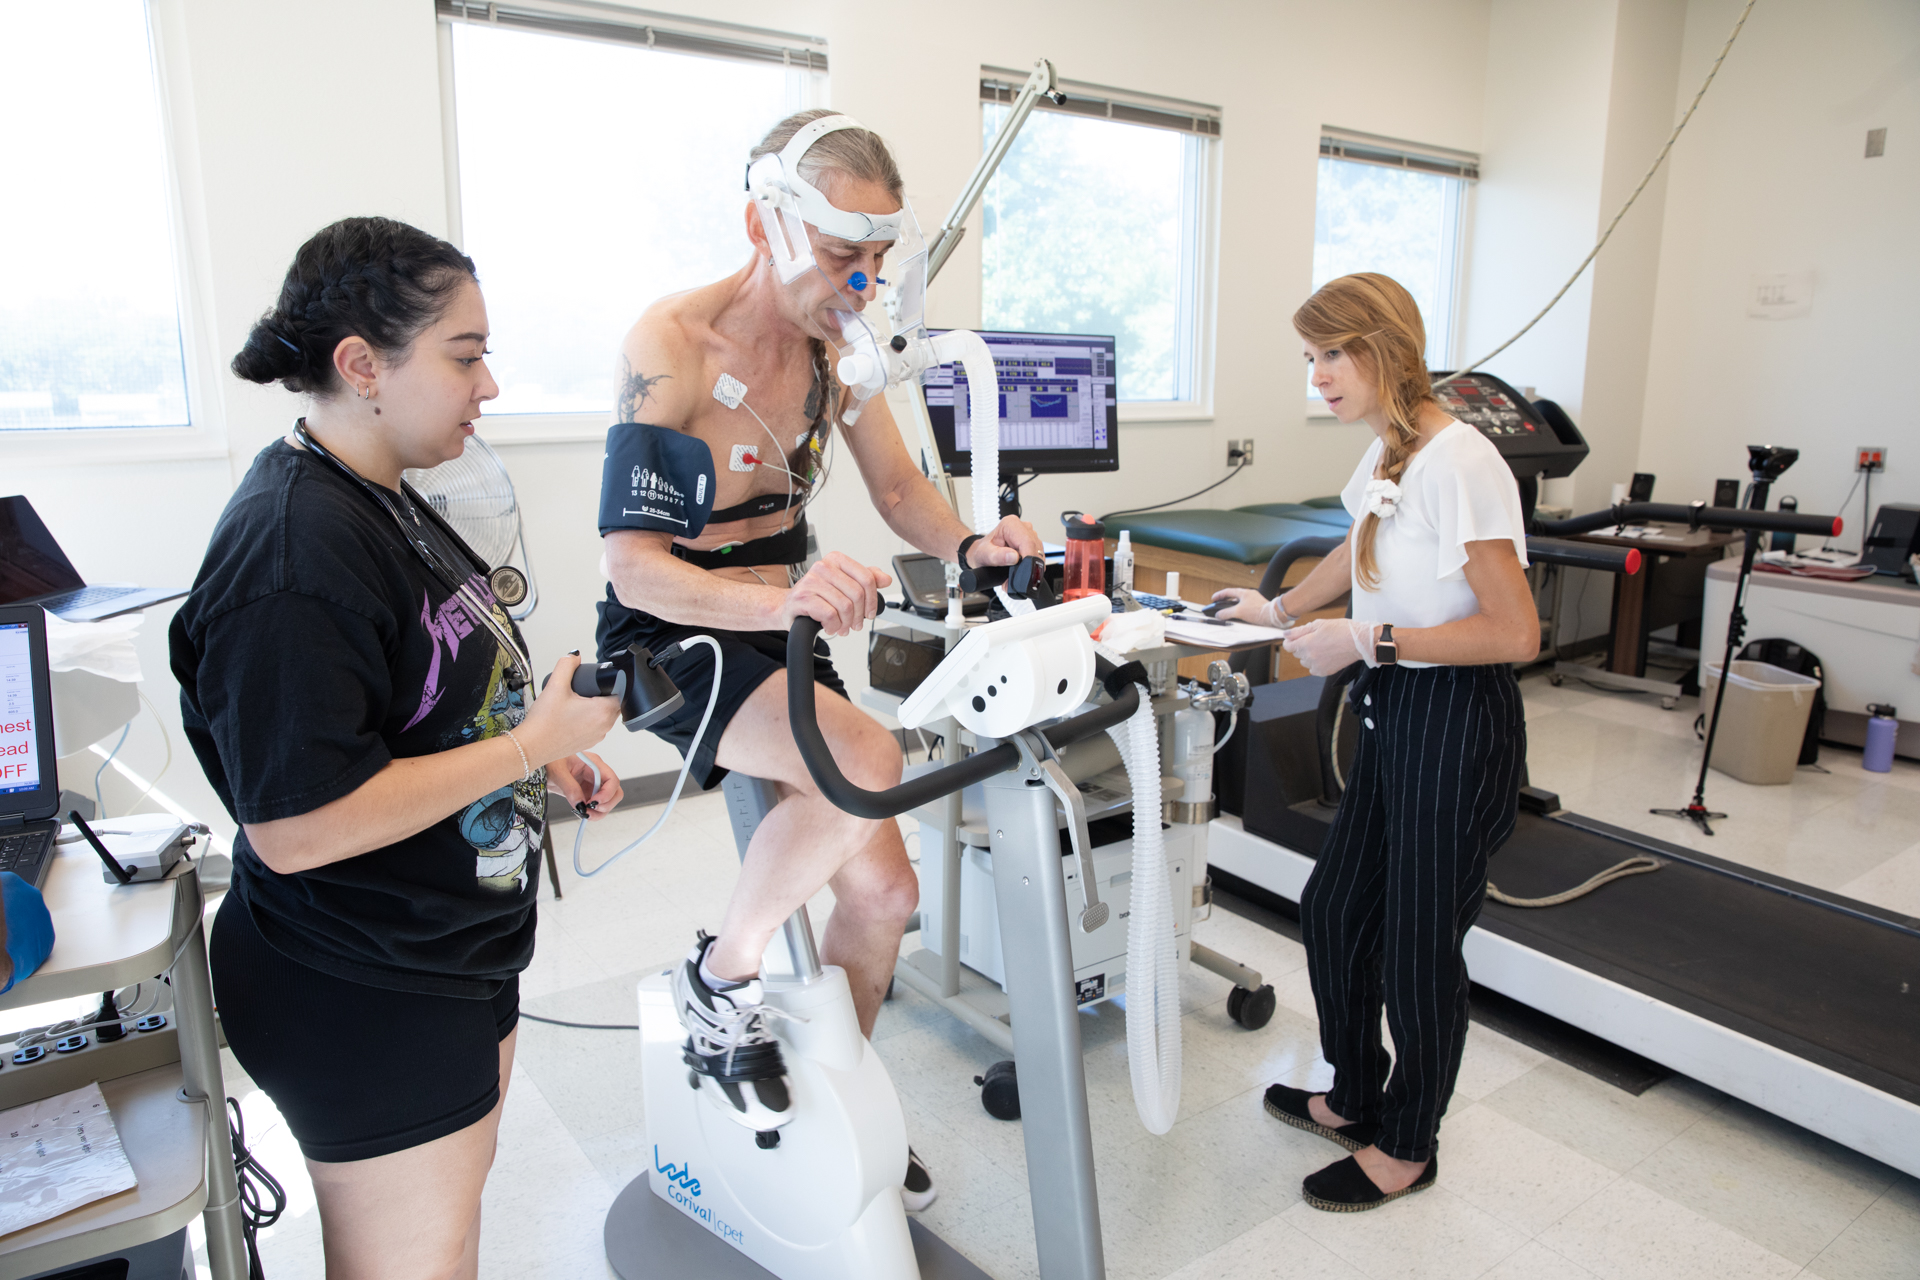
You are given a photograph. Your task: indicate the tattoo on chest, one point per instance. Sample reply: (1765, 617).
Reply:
(635, 390)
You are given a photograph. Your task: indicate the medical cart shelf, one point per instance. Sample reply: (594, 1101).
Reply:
(108, 937)
(163, 1136)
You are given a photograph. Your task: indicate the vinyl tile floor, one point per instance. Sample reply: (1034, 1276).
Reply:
(1549, 1174)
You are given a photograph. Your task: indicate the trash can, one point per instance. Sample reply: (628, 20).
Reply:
(1763, 721)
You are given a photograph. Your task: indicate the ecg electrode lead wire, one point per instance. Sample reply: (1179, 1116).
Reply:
(1658, 160)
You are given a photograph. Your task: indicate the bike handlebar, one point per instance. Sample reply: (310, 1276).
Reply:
(928, 787)
(1695, 516)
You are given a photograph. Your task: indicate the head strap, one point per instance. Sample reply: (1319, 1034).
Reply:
(808, 201)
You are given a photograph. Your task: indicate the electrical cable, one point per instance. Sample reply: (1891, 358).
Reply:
(166, 740)
(1635, 866)
(1128, 511)
(1658, 160)
(581, 1026)
(1866, 512)
(1825, 543)
(262, 1198)
(99, 809)
(686, 766)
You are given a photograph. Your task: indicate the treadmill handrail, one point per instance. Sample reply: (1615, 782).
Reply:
(1584, 555)
(1697, 515)
(928, 787)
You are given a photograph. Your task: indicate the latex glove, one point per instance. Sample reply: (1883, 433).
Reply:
(29, 933)
(1327, 645)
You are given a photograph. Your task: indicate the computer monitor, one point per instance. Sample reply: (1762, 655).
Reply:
(1058, 411)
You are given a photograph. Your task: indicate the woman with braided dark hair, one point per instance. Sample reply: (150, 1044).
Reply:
(357, 699)
(1441, 612)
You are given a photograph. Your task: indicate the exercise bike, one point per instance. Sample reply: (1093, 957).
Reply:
(820, 1196)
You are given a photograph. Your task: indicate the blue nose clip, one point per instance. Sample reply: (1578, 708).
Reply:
(857, 282)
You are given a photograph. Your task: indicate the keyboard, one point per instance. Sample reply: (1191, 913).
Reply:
(85, 596)
(28, 854)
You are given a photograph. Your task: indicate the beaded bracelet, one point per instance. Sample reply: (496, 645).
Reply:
(525, 763)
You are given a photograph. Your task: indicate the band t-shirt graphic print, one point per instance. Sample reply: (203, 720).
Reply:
(317, 647)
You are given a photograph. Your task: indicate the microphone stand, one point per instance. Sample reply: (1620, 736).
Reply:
(1767, 466)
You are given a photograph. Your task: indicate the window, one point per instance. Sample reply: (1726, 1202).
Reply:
(1385, 206)
(89, 310)
(1098, 221)
(598, 174)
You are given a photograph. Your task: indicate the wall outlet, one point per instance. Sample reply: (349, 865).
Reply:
(1870, 457)
(1246, 452)
(1239, 453)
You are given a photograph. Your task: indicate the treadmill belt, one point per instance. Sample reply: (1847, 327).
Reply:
(1819, 976)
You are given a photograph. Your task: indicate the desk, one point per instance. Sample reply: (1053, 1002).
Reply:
(172, 1117)
(1866, 635)
(1667, 590)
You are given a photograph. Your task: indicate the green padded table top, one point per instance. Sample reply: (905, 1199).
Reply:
(1334, 517)
(1237, 536)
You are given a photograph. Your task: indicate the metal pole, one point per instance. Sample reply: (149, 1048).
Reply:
(948, 239)
(202, 1081)
(1032, 900)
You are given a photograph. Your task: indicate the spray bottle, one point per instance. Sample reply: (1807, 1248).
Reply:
(1123, 563)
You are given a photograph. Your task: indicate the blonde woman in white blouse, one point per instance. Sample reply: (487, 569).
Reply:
(1441, 611)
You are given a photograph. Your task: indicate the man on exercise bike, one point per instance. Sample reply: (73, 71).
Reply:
(728, 396)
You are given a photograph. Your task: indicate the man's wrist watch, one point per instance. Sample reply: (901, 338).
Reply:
(1386, 651)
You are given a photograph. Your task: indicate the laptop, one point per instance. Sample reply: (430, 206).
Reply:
(34, 570)
(29, 782)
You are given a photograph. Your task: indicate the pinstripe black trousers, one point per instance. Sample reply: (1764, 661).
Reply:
(1432, 794)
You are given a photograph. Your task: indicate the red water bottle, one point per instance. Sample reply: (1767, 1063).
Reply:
(1086, 558)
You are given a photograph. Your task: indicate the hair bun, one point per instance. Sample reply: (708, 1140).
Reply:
(372, 278)
(270, 355)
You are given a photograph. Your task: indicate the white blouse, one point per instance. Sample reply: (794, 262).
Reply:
(1456, 490)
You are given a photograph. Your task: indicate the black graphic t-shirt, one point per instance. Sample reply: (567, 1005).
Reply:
(315, 648)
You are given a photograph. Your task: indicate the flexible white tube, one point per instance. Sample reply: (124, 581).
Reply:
(983, 418)
(1153, 961)
(686, 767)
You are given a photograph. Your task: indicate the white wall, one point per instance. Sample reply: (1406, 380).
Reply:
(288, 116)
(1772, 178)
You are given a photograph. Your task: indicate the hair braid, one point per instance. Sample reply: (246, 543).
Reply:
(1376, 322)
(374, 278)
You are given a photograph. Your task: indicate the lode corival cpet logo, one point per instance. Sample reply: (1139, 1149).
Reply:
(679, 1175)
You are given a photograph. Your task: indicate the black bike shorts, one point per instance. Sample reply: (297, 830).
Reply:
(356, 1071)
(750, 658)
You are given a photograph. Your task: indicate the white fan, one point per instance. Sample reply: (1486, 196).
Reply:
(474, 494)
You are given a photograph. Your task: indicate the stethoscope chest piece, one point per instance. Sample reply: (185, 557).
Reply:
(509, 585)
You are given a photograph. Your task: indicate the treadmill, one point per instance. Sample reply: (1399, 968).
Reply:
(1797, 1000)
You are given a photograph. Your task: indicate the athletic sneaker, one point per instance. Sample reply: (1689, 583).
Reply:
(736, 1061)
(917, 1192)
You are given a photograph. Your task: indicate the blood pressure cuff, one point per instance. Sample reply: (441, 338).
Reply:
(654, 478)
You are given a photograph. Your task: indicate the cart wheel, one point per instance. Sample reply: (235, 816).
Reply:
(1554, 678)
(1251, 1009)
(1000, 1091)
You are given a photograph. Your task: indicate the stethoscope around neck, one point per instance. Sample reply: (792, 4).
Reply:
(508, 584)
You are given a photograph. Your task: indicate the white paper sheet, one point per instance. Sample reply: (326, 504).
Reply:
(56, 1155)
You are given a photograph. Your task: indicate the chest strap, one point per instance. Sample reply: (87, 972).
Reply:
(786, 547)
(763, 505)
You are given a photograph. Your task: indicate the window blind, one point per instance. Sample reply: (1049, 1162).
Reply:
(1367, 148)
(621, 25)
(1000, 85)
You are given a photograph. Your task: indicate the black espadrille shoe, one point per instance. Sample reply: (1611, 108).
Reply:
(1344, 1187)
(1289, 1106)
